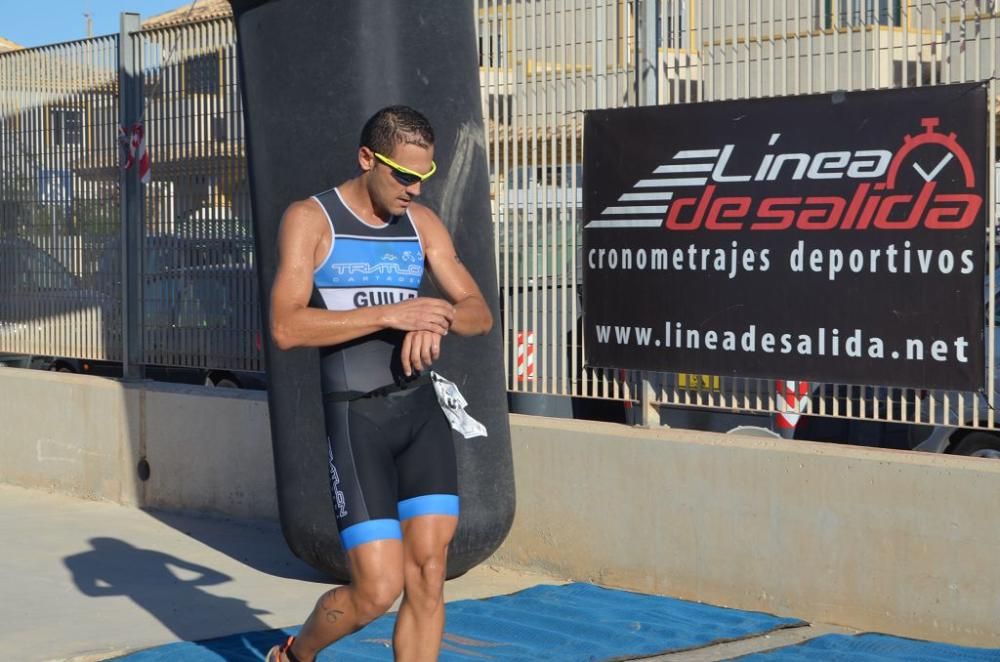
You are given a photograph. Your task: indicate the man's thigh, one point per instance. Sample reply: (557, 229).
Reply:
(426, 537)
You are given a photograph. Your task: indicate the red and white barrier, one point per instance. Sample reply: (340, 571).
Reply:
(525, 356)
(793, 398)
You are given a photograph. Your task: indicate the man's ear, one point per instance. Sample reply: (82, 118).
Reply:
(366, 158)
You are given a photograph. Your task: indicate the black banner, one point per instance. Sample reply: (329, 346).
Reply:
(837, 237)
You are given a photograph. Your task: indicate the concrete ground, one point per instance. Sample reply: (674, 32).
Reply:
(86, 581)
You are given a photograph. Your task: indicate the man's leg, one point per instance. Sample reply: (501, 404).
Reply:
(420, 623)
(376, 581)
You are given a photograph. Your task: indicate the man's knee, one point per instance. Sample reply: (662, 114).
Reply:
(425, 575)
(373, 597)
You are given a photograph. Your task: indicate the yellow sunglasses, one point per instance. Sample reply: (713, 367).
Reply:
(404, 175)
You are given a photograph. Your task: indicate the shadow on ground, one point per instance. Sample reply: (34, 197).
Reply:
(170, 589)
(257, 544)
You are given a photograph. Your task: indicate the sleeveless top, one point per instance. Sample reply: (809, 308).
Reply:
(366, 266)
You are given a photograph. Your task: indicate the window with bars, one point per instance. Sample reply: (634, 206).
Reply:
(220, 129)
(67, 126)
(152, 84)
(854, 13)
(674, 24)
(201, 74)
(490, 51)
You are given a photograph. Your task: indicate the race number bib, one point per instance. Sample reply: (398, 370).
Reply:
(453, 404)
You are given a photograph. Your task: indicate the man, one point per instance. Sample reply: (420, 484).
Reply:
(363, 248)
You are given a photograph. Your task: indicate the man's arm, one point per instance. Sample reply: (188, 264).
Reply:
(302, 234)
(472, 315)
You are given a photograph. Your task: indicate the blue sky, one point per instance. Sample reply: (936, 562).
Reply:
(39, 22)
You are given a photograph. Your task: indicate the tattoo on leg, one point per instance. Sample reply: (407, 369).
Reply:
(331, 612)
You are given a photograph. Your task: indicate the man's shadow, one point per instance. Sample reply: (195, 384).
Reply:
(170, 589)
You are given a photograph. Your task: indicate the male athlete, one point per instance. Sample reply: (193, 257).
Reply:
(363, 247)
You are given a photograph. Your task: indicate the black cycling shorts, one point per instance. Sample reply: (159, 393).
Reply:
(391, 458)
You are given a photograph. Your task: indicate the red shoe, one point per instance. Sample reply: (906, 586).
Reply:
(274, 655)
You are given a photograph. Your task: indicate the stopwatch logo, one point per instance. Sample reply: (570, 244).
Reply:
(931, 137)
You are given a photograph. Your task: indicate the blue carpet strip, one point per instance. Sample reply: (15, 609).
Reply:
(566, 623)
(872, 647)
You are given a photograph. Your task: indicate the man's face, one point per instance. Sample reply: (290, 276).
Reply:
(387, 191)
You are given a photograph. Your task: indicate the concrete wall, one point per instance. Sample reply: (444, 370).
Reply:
(893, 541)
(207, 449)
(879, 540)
(68, 434)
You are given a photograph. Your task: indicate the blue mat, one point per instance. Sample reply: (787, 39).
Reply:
(571, 622)
(870, 647)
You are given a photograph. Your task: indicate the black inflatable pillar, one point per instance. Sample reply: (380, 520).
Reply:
(312, 72)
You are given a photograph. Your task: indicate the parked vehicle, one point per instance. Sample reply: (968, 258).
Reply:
(166, 252)
(962, 441)
(203, 311)
(850, 403)
(199, 301)
(41, 301)
(213, 222)
(191, 313)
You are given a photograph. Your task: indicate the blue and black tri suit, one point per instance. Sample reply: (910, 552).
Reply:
(390, 448)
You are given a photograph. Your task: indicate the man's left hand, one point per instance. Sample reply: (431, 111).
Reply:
(420, 350)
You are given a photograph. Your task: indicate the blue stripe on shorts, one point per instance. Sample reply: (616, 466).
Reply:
(429, 504)
(373, 529)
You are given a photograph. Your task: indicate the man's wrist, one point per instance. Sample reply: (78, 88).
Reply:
(383, 316)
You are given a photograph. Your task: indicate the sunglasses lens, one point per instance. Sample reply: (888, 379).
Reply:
(405, 178)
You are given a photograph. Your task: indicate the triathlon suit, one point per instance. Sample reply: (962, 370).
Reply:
(390, 448)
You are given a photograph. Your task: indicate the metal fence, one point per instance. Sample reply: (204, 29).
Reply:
(200, 303)
(542, 65)
(545, 63)
(738, 50)
(58, 199)
(61, 229)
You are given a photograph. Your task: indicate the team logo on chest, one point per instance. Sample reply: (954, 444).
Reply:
(389, 263)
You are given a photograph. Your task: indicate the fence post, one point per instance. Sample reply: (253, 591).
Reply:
(129, 111)
(646, 52)
(647, 91)
(649, 412)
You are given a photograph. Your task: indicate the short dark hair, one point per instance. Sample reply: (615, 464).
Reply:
(394, 125)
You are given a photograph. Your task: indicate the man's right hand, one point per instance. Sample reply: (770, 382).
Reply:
(421, 314)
